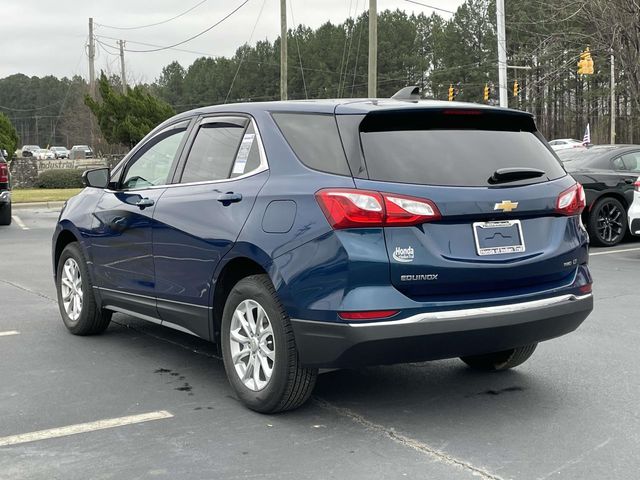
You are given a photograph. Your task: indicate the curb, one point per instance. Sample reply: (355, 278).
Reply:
(33, 205)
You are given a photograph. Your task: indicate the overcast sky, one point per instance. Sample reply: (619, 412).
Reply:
(48, 37)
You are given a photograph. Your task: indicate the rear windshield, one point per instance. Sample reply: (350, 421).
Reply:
(463, 157)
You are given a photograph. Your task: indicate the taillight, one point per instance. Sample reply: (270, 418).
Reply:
(368, 315)
(4, 173)
(637, 185)
(571, 201)
(352, 208)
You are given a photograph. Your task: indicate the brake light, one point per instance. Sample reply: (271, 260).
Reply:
(4, 173)
(637, 185)
(352, 208)
(369, 315)
(571, 201)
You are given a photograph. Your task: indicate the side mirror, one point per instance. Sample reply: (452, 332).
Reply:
(97, 178)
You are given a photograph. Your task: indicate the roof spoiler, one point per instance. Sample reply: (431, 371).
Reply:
(408, 94)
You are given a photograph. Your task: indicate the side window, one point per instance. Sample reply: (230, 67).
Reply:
(315, 140)
(632, 161)
(214, 151)
(151, 167)
(618, 164)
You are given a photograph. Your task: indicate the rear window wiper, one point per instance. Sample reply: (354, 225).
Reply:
(512, 174)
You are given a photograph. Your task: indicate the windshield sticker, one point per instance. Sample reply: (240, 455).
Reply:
(243, 153)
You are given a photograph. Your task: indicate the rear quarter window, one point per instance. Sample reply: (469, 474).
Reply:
(315, 140)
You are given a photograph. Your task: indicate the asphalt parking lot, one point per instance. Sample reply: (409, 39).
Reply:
(141, 401)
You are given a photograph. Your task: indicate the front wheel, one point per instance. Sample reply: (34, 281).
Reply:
(504, 360)
(259, 349)
(76, 301)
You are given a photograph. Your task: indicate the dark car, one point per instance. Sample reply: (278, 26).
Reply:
(608, 174)
(5, 192)
(328, 234)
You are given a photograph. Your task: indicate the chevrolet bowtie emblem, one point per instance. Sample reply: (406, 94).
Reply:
(506, 205)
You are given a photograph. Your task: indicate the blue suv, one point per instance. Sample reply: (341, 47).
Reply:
(327, 234)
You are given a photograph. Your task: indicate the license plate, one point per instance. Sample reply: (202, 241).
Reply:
(497, 238)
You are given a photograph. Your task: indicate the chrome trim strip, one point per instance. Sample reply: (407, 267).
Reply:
(151, 319)
(142, 316)
(464, 313)
(152, 298)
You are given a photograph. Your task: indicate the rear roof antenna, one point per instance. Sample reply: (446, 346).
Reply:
(408, 94)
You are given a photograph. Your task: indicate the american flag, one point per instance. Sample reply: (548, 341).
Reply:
(586, 140)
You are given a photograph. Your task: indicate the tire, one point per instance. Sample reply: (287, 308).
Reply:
(607, 222)
(287, 385)
(89, 318)
(494, 362)
(5, 214)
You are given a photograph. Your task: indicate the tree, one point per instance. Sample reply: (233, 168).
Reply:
(8, 135)
(127, 118)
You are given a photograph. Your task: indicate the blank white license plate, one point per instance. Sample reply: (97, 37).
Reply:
(498, 238)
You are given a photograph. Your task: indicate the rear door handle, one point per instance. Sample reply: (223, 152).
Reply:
(229, 197)
(144, 203)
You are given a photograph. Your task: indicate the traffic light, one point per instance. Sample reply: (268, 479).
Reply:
(452, 93)
(585, 65)
(516, 88)
(487, 92)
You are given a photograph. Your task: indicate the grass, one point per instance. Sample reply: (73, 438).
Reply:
(42, 194)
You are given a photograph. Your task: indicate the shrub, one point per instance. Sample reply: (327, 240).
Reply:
(60, 178)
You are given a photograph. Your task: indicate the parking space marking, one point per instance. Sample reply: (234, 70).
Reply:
(19, 221)
(615, 251)
(9, 332)
(83, 428)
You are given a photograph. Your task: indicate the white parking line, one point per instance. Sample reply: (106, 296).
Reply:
(615, 251)
(83, 428)
(19, 221)
(9, 332)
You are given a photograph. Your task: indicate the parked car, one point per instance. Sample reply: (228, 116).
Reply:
(79, 152)
(566, 143)
(330, 234)
(43, 154)
(5, 192)
(607, 173)
(28, 150)
(634, 210)
(60, 152)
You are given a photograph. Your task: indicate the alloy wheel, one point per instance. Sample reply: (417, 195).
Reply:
(252, 345)
(609, 224)
(71, 289)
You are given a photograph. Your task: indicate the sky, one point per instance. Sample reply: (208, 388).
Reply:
(49, 37)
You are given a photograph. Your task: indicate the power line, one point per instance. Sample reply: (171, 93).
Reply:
(154, 24)
(244, 51)
(304, 83)
(431, 7)
(196, 35)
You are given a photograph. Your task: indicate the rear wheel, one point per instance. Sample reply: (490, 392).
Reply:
(5, 214)
(76, 301)
(259, 349)
(607, 223)
(500, 360)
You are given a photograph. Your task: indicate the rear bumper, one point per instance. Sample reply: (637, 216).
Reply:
(437, 335)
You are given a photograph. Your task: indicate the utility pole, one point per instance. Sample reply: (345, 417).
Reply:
(92, 58)
(283, 50)
(123, 77)
(613, 100)
(502, 54)
(373, 49)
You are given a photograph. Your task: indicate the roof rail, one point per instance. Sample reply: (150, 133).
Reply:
(408, 94)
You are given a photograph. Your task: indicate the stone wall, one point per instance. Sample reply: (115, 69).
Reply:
(25, 171)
